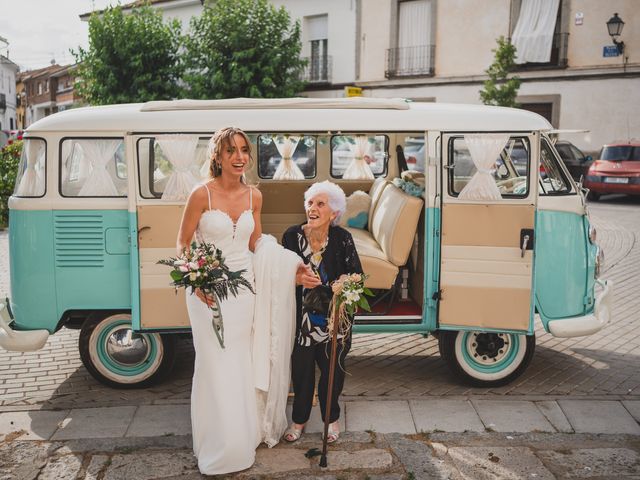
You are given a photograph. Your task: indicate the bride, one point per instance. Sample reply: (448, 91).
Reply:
(230, 417)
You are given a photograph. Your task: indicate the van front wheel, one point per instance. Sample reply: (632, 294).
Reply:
(117, 356)
(486, 359)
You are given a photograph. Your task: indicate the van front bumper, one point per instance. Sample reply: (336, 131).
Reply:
(586, 324)
(19, 341)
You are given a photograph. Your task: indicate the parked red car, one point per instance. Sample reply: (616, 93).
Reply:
(617, 170)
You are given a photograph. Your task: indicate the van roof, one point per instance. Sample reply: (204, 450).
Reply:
(289, 115)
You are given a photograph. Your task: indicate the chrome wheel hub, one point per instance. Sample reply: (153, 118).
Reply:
(126, 347)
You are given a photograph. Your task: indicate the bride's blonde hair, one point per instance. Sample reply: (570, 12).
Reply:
(220, 139)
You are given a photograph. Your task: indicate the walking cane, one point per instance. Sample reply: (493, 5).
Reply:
(332, 371)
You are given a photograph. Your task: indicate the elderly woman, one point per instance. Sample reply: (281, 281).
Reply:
(328, 251)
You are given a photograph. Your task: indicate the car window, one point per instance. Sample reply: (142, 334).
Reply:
(300, 149)
(346, 149)
(620, 153)
(509, 171)
(565, 152)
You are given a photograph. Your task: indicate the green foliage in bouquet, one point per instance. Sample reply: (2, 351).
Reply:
(203, 267)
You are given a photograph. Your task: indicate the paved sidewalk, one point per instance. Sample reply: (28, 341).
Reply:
(384, 439)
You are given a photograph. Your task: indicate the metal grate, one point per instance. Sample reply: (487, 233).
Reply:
(318, 69)
(410, 61)
(79, 240)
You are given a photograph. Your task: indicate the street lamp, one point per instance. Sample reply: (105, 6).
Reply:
(615, 25)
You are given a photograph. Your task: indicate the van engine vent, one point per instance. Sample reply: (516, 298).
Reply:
(79, 240)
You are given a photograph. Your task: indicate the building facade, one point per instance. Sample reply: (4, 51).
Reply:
(8, 72)
(436, 50)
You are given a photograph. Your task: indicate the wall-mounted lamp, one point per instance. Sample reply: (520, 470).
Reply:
(615, 25)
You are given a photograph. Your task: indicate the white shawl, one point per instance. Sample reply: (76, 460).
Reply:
(273, 334)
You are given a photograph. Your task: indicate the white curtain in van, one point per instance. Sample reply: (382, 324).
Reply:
(287, 168)
(359, 169)
(533, 35)
(180, 151)
(484, 150)
(97, 154)
(32, 181)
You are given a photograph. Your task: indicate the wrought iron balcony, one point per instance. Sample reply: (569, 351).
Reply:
(559, 49)
(318, 69)
(410, 61)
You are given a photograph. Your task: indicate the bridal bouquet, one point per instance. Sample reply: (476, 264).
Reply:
(349, 294)
(203, 267)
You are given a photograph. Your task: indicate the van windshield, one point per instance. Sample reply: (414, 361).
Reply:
(621, 153)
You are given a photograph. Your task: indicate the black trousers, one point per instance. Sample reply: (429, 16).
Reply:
(303, 373)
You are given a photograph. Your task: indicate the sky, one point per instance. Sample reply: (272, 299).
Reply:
(41, 30)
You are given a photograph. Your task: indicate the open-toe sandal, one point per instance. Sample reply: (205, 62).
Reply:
(333, 434)
(292, 434)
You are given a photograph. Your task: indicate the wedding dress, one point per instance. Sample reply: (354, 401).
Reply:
(224, 415)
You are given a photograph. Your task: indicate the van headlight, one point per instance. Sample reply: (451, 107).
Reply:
(599, 261)
(592, 234)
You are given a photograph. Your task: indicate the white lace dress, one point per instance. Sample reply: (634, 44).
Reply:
(224, 416)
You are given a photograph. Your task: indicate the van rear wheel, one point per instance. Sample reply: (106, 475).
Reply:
(117, 356)
(486, 359)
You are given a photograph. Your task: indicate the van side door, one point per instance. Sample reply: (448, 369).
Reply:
(489, 194)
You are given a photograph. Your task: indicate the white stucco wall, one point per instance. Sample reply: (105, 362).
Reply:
(341, 32)
(586, 40)
(8, 88)
(374, 39)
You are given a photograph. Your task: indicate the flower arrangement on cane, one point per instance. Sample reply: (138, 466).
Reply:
(349, 294)
(203, 267)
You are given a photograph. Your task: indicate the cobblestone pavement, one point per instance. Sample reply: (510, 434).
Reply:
(389, 366)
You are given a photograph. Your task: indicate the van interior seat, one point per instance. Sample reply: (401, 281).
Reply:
(393, 223)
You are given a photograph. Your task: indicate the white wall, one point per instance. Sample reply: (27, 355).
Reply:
(342, 32)
(8, 87)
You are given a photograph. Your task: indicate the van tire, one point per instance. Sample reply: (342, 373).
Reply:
(459, 349)
(149, 359)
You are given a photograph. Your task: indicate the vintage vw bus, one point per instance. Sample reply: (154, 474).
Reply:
(488, 246)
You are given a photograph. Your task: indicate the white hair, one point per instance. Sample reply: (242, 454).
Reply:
(335, 195)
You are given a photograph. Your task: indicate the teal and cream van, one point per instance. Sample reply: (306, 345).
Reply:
(466, 220)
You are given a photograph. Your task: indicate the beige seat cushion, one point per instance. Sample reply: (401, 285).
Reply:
(394, 224)
(381, 272)
(379, 184)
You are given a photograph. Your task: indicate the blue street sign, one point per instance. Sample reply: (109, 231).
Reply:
(610, 51)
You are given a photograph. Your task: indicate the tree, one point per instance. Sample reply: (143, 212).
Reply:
(9, 162)
(500, 89)
(243, 48)
(131, 57)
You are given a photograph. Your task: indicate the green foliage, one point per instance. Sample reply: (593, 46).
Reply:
(243, 48)
(500, 89)
(9, 161)
(131, 58)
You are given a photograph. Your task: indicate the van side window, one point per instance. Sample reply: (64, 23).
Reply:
(286, 157)
(354, 156)
(93, 167)
(509, 169)
(30, 181)
(158, 165)
(552, 179)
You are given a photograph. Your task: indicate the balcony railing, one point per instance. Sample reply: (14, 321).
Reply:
(410, 61)
(559, 49)
(318, 69)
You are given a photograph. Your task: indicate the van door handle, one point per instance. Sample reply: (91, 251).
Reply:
(141, 229)
(526, 240)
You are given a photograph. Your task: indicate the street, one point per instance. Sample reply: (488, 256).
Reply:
(385, 366)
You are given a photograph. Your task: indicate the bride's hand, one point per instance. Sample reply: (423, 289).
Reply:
(306, 277)
(210, 300)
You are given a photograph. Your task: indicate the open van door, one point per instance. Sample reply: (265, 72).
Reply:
(154, 227)
(486, 307)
